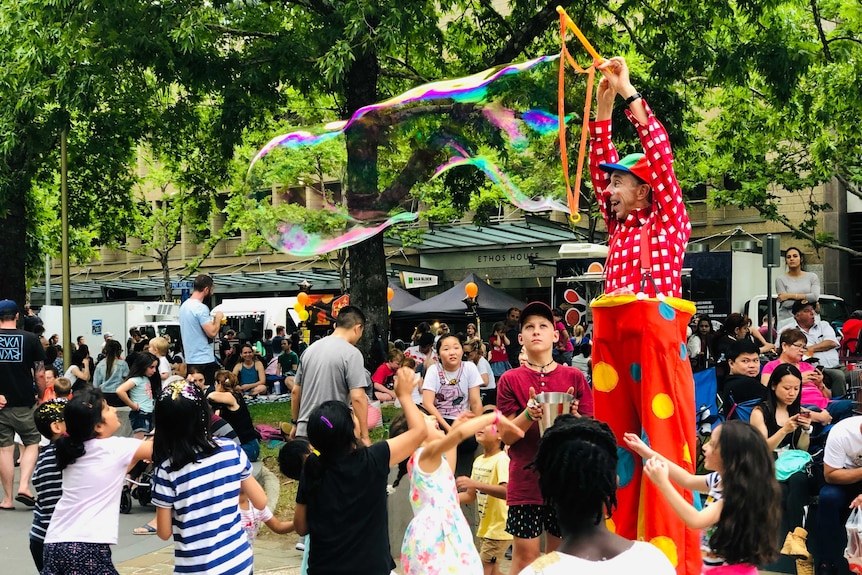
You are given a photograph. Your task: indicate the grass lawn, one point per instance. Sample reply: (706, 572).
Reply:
(273, 414)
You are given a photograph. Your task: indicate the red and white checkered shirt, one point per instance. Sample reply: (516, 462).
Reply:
(669, 228)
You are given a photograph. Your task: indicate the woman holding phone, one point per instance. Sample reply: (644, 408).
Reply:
(786, 425)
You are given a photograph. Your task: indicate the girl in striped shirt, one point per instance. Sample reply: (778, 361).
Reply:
(197, 484)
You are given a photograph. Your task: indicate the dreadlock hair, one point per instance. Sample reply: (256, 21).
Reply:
(291, 457)
(82, 414)
(397, 426)
(183, 417)
(751, 499)
(331, 431)
(577, 466)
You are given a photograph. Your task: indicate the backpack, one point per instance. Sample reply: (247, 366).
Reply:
(268, 433)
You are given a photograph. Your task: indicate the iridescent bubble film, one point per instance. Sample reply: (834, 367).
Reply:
(495, 132)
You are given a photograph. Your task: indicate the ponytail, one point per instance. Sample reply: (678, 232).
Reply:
(82, 414)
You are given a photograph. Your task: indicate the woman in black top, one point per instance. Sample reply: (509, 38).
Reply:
(228, 400)
(785, 425)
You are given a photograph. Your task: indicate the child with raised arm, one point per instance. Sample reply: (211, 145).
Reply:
(341, 501)
(197, 484)
(86, 519)
(438, 538)
(744, 503)
(487, 486)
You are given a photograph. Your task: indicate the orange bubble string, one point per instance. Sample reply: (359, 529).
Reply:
(573, 192)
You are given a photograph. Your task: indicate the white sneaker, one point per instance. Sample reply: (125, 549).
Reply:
(300, 546)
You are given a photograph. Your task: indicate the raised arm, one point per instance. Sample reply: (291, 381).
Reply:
(676, 474)
(658, 473)
(467, 426)
(402, 446)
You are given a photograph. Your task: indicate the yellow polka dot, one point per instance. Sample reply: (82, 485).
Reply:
(609, 523)
(662, 405)
(668, 547)
(686, 453)
(605, 377)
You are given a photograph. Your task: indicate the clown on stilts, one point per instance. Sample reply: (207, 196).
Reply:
(642, 380)
(641, 374)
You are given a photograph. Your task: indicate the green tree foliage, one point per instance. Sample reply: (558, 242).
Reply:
(761, 93)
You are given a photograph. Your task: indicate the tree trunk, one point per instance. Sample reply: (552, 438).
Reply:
(166, 275)
(13, 234)
(368, 292)
(367, 260)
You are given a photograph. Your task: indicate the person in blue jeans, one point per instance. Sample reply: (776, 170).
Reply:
(842, 470)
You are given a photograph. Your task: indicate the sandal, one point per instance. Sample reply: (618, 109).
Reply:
(144, 530)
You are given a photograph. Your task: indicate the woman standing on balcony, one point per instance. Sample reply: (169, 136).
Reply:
(795, 285)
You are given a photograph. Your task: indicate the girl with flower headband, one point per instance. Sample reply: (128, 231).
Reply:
(94, 463)
(438, 538)
(196, 486)
(341, 501)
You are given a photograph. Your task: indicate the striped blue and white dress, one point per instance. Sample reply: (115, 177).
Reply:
(204, 497)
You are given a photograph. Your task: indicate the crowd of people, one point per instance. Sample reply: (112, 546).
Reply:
(577, 484)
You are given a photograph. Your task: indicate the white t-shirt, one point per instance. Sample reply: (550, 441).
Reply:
(89, 509)
(453, 391)
(844, 444)
(642, 558)
(485, 367)
(164, 366)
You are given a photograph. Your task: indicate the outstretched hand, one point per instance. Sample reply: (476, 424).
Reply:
(657, 471)
(636, 444)
(505, 425)
(616, 72)
(404, 378)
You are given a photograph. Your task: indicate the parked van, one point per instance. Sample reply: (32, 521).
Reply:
(249, 317)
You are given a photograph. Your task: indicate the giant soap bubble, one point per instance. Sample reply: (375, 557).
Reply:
(493, 132)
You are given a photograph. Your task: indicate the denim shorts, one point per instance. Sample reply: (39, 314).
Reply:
(141, 421)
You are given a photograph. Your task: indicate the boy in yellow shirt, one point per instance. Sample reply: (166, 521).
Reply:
(487, 486)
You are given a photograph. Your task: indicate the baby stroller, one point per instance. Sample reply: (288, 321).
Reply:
(138, 486)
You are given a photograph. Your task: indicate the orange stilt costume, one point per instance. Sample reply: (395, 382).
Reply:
(642, 383)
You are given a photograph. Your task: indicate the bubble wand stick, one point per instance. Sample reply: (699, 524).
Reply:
(573, 194)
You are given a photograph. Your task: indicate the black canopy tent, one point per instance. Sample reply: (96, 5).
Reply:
(450, 307)
(401, 298)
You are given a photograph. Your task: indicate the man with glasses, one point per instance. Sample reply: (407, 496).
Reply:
(821, 344)
(488, 388)
(332, 369)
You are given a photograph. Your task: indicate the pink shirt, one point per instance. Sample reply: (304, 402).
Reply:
(669, 223)
(810, 394)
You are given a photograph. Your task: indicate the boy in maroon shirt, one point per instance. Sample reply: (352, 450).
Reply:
(516, 390)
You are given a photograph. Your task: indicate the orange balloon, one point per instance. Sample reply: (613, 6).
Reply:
(302, 298)
(471, 289)
(390, 293)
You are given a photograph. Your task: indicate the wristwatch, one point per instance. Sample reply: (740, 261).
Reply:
(633, 97)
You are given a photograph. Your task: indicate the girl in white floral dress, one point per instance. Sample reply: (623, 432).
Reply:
(438, 540)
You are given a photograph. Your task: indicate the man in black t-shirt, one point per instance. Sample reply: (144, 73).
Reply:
(743, 359)
(22, 363)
